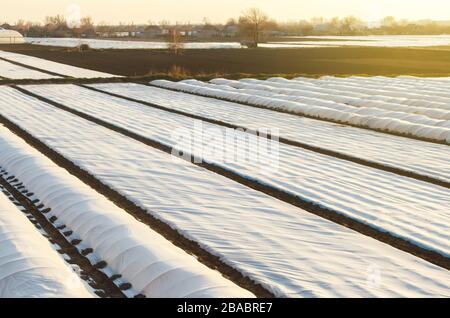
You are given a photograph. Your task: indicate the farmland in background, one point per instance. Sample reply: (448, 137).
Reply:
(262, 62)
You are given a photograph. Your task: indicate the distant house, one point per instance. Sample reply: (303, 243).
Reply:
(135, 34)
(208, 31)
(230, 31)
(185, 30)
(188, 33)
(103, 34)
(121, 34)
(153, 31)
(116, 34)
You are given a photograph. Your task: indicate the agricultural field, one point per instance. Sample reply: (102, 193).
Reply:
(282, 42)
(117, 187)
(311, 61)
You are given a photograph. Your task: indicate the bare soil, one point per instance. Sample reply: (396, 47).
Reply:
(283, 61)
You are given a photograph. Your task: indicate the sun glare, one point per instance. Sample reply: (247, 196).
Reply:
(141, 11)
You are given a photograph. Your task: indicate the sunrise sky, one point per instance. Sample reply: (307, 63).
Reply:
(142, 11)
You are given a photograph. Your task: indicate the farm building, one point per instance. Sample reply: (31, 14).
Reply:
(9, 36)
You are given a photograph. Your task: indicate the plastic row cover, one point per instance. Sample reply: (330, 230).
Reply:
(58, 68)
(395, 122)
(425, 89)
(356, 105)
(419, 100)
(153, 265)
(29, 266)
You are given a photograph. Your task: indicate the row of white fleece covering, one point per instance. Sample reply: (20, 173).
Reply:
(422, 85)
(429, 159)
(360, 95)
(434, 95)
(372, 118)
(428, 90)
(153, 265)
(343, 97)
(406, 79)
(379, 98)
(29, 266)
(415, 96)
(331, 106)
(13, 71)
(371, 88)
(427, 86)
(290, 251)
(405, 207)
(54, 67)
(388, 111)
(434, 110)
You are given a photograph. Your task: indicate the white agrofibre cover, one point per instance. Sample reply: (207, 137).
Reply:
(429, 159)
(363, 94)
(352, 110)
(13, 71)
(123, 45)
(392, 203)
(154, 266)
(29, 266)
(54, 67)
(288, 100)
(291, 252)
(10, 37)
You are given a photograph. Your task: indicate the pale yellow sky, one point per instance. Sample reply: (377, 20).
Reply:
(140, 11)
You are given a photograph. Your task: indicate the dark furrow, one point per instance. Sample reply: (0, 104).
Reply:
(334, 216)
(98, 280)
(306, 116)
(327, 152)
(67, 80)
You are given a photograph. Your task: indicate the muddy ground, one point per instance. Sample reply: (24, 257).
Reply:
(303, 61)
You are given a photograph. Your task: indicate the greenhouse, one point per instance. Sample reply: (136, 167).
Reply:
(10, 37)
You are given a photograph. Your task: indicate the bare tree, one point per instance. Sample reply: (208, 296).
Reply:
(56, 21)
(87, 25)
(56, 26)
(174, 41)
(351, 24)
(254, 20)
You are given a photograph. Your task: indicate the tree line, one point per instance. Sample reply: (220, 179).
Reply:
(253, 25)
